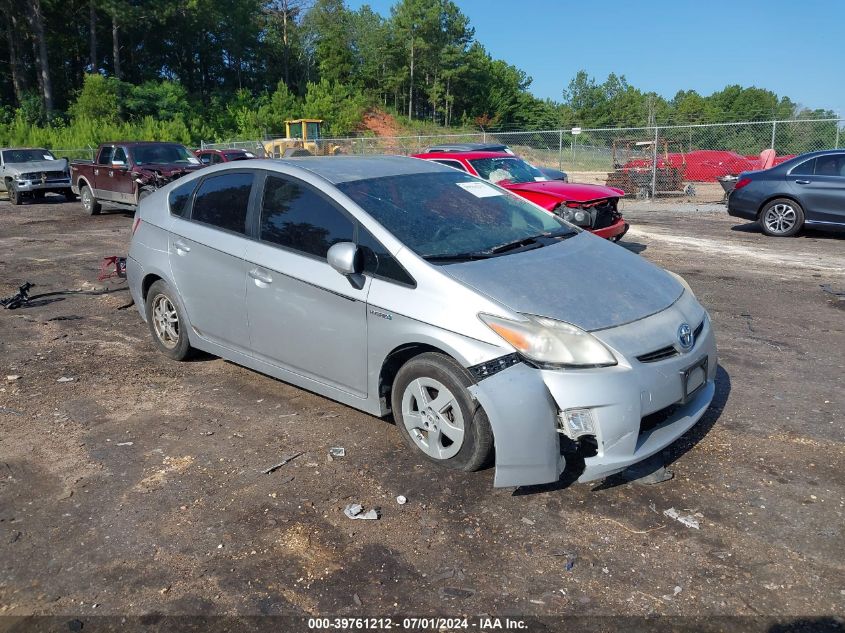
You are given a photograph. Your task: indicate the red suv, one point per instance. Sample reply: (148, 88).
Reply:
(591, 207)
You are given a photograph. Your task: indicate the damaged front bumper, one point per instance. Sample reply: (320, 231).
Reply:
(637, 409)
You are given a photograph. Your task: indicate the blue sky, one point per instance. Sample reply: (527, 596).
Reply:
(794, 48)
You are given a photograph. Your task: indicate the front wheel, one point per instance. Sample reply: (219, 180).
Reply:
(166, 322)
(436, 414)
(15, 196)
(89, 202)
(782, 218)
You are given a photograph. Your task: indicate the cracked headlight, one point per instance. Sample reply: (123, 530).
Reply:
(550, 342)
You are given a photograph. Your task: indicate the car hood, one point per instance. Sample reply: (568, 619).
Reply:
(60, 164)
(567, 190)
(584, 280)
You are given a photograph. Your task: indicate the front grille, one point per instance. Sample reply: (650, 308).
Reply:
(669, 351)
(55, 174)
(659, 354)
(605, 214)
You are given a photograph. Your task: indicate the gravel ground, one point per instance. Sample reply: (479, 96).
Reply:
(136, 487)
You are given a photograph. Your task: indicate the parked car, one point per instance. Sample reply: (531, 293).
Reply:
(125, 172)
(808, 190)
(216, 156)
(401, 286)
(548, 172)
(592, 207)
(32, 173)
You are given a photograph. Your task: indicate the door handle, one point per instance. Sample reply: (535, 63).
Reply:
(802, 182)
(181, 247)
(261, 276)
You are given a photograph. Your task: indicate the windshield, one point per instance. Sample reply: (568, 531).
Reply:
(162, 154)
(513, 170)
(27, 155)
(441, 215)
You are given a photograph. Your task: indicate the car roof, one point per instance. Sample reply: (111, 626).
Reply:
(468, 147)
(141, 143)
(338, 169)
(466, 155)
(8, 149)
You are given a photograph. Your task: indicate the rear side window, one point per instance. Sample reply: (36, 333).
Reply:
(379, 262)
(223, 201)
(295, 216)
(179, 198)
(105, 155)
(804, 169)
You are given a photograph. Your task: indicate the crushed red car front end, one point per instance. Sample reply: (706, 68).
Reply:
(601, 217)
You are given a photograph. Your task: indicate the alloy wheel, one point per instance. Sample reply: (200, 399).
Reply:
(165, 321)
(780, 218)
(433, 418)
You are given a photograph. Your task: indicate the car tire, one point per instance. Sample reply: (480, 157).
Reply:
(781, 217)
(436, 414)
(166, 322)
(15, 196)
(89, 202)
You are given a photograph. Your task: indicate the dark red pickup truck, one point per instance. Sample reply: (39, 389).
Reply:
(125, 172)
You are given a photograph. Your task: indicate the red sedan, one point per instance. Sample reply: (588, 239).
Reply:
(592, 207)
(217, 156)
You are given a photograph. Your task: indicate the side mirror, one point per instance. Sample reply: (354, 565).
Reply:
(343, 257)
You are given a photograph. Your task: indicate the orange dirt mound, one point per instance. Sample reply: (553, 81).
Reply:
(381, 124)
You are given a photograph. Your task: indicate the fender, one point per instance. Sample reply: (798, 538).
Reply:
(523, 417)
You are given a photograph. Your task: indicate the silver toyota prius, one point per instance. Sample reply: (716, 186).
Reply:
(489, 328)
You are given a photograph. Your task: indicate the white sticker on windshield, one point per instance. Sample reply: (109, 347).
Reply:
(193, 161)
(47, 157)
(540, 178)
(479, 189)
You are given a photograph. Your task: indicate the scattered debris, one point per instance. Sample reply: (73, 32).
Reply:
(12, 378)
(689, 520)
(337, 451)
(282, 463)
(675, 592)
(10, 411)
(456, 592)
(401, 500)
(356, 599)
(288, 415)
(356, 511)
(627, 529)
(114, 266)
(527, 521)
(65, 379)
(124, 444)
(648, 472)
(21, 297)
(444, 575)
(236, 434)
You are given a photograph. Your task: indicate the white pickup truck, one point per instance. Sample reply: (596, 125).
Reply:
(32, 173)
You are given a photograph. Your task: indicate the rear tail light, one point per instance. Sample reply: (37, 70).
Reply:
(742, 182)
(135, 225)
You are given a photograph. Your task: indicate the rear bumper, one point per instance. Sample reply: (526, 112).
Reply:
(741, 205)
(614, 231)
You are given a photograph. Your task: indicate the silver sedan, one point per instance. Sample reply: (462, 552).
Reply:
(488, 327)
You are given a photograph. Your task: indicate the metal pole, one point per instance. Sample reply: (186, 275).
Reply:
(654, 167)
(560, 151)
(774, 129)
(838, 125)
(572, 146)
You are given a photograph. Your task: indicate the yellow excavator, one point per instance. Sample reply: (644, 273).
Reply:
(301, 134)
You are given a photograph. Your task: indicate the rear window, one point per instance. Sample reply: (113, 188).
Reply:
(223, 201)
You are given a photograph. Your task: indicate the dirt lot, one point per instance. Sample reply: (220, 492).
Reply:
(136, 487)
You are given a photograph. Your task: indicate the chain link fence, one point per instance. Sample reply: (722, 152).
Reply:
(679, 160)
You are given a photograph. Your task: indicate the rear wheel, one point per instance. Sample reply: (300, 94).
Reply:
(89, 202)
(436, 414)
(782, 218)
(166, 322)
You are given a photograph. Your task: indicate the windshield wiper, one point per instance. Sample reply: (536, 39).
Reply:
(457, 257)
(527, 241)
